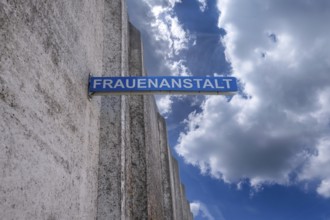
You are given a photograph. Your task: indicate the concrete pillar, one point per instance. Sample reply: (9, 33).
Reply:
(154, 178)
(184, 202)
(136, 167)
(113, 132)
(176, 191)
(166, 169)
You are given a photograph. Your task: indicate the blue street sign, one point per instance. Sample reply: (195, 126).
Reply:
(162, 84)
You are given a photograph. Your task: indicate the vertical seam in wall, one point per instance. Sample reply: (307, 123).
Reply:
(161, 161)
(144, 97)
(99, 159)
(171, 181)
(122, 113)
(142, 58)
(123, 158)
(144, 100)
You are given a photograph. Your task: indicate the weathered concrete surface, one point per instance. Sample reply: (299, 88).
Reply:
(61, 155)
(113, 117)
(154, 178)
(166, 169)
(176, 190)
(136, 151)
(49, 130)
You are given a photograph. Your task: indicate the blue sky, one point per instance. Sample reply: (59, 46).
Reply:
(264, 153)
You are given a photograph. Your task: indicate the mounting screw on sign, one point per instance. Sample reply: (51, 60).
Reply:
(89, 94)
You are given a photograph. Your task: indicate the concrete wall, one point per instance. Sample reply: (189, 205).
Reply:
(63, 156)
(49, 130)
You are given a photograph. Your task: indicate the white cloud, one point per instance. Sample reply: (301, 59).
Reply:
(164, 104)
(168, 3)
(324, 188)
(199, 209)
(167, 30)
(173, 2)
(160, 22)
(202, 5)
(178, 68)
(195, 208)
(279, 50)
(318, 167)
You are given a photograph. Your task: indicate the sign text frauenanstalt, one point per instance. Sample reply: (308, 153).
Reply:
(163, 84)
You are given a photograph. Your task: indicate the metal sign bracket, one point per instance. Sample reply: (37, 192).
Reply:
(89, 94)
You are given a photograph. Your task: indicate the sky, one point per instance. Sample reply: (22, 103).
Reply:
(263, 153)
